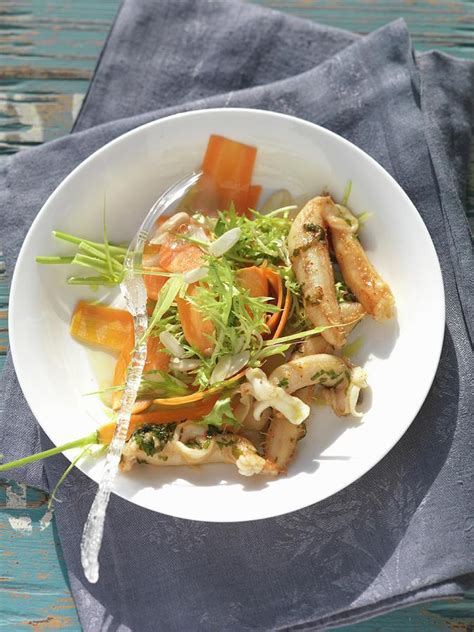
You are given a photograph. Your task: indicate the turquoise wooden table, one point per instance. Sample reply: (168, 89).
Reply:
(48, 49)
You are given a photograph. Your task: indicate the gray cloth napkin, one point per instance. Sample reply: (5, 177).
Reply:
(403, 532)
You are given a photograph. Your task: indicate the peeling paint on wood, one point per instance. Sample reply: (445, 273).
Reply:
(15, 496)
(20, 72)
(21, 524)
(50, 623)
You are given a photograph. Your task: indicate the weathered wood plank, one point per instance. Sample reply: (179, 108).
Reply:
(50, 48)
(48, 51)
(30, 119)
(433, 24)
(33, 592)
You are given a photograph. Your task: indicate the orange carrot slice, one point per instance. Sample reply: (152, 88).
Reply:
(156, 360)
(229, 164)
(197, 330)
(121, 370)
(205, 196)
(178, 255)
(101, 326)
(253, 279)
(196, 411)
(284, 316)
(276, 284)
(151, 261)
(253, 196)
(183, 260)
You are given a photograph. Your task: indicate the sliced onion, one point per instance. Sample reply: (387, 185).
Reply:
(237, 362)
(239, 345)
(225, 242)
(195, 275)
(162, 232)
(197, 232)
(174, 222)
(170, 343)
(184, 365)
(229, 365)
(220, 370)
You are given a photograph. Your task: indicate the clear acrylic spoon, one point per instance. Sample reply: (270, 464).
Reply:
(134, 292)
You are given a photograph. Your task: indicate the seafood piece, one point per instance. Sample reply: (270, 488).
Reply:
(244, 410)
(342, 385)
(282, 436)
(189, 443)
(312, 346)
(273, 394)
(344, 397)
(253, 426)
(351, 313)
(243, 406)
(365, 282)
(309, 253)
(327, 370)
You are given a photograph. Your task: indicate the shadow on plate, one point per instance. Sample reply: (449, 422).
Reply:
(378, 339)
(323, 430)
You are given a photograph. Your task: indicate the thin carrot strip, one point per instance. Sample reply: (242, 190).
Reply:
(156, 360)
(151, 261)
(102, 326)
(253, 196)
(198, 331)
(276, 284)
(196, 411)
(284, 316)
(229, 165)
(121, 367)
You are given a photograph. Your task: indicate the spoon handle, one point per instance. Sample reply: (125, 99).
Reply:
(94, 527)
(134, 292)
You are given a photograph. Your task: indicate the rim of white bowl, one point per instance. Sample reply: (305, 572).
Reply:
(438, 325)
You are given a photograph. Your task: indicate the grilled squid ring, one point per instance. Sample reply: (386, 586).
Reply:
(342, 382)
(190, 445)
(360, 275)
(309, 253)
(329, 371)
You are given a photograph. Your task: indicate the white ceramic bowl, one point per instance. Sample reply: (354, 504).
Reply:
(400, 356)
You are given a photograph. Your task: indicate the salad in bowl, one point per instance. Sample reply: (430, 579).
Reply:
(248, 316)
(281, 306)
